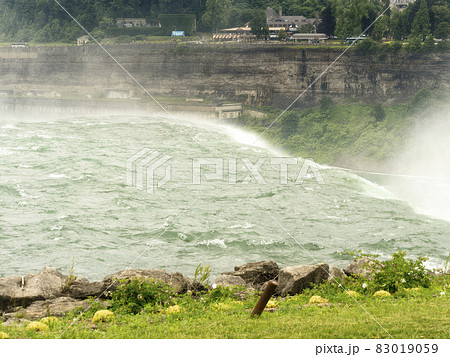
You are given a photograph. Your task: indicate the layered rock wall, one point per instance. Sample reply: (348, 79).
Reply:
(252, 74)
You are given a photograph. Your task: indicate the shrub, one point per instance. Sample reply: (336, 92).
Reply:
(367, 46)
(202, 274)
(103, 316)
(443, 45)
(316, 299)
(419, 99)
(132, 295)
(124, 39)
(49, 321)
(395, 46)
(37, 326)
(382, 293)
(414, 45)
(428, 44)
(401, 272)
(378, 112)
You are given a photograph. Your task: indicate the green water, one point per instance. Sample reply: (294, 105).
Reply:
(63, 195)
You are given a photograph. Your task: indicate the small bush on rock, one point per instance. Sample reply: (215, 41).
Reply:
(132, 295)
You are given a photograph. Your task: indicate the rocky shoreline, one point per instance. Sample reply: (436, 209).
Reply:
(50, 293)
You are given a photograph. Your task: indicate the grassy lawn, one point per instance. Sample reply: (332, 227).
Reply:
(421, 314)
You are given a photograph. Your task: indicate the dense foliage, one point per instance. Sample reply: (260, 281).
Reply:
(45, 21)
(332, 134)
(132, 295)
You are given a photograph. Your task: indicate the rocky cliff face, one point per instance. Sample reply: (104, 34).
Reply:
(257, 74)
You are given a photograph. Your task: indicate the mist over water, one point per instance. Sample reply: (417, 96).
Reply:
(63, 195)
(425, 164)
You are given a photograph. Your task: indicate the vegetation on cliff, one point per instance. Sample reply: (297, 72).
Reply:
(348, 133)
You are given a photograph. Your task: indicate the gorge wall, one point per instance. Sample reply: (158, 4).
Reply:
(251, 74)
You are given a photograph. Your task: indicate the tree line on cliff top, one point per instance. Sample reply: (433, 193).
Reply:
(44, 21)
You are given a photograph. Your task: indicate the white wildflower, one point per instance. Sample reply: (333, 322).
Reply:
(364, 286)
(403, 281)
(214, 286)
(442, 293)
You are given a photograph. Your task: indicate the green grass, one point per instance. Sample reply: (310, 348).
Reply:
(422, 314)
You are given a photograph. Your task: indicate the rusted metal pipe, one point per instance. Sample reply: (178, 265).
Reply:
(264, 299)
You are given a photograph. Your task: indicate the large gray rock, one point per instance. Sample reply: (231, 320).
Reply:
(54, 307)
(229, 280)
(176, 280)
(293, 280)
(360, 267)
(256, 274)
(336, 273)
(81, 288)
(15, 291)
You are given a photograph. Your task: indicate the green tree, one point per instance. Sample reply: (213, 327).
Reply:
(381, 28)
(421, 26)
(349, 14)
(258, 23)
(440, 20)
(442, 31)
(399, 25)
(328, 23)
(216, 13)
(282, 34)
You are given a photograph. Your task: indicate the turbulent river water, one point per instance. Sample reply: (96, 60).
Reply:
(64, 197)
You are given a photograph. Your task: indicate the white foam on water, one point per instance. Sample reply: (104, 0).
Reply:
(213, 242)
(58, 176)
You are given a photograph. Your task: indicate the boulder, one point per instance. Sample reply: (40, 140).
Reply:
(176, 280)
(256, 274)
(336, 273)
(360, 267)
(53, 307)
(81, 288)
(229, 280)
(293, 280)
(22, 291)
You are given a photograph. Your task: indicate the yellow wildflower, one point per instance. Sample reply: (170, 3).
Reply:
(103, 316)
(3, 335)
(352, 293)
(37, 326)
(382, 293)
(271, 304)
(175, 309)
(49, 320)
(221, 306)
(316, 299)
